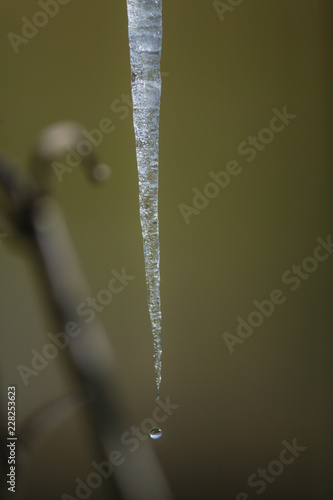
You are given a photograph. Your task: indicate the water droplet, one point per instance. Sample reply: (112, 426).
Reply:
(155, 433)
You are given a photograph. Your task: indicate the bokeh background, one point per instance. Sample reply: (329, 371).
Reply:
(221, 80)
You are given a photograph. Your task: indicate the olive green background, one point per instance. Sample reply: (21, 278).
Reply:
(221, 81)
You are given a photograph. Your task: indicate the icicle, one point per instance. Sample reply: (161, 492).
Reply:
(145, 40)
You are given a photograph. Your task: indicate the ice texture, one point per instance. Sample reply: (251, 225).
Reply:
(145, 41)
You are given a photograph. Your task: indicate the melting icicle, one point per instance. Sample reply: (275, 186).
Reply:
(145, 41)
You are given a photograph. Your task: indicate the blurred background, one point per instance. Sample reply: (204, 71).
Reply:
(224, 70)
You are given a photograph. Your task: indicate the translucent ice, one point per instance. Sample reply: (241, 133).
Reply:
(145, 41)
